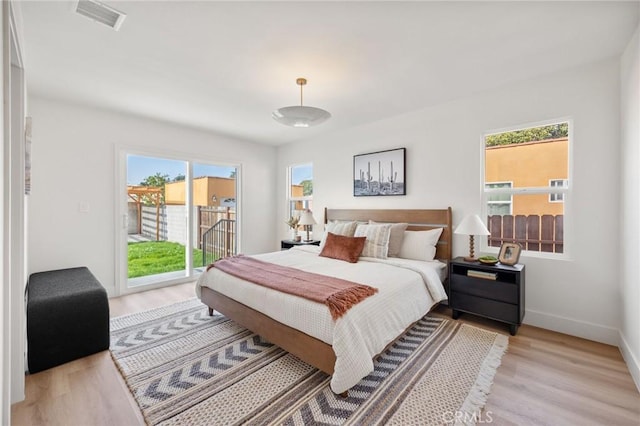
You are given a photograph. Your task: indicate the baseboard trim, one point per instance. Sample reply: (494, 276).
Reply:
(578, 328)
(632, 362)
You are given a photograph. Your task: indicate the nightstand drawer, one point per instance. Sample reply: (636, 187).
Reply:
(485, 307)
(505, 292)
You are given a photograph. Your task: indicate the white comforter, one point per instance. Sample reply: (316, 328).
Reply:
(407, 289)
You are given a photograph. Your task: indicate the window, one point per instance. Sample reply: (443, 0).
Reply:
(299, 189)
(526, 186)
(557, 197)
(498, 204)
(178, 215)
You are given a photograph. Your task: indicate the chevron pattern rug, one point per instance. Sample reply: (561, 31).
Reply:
(187, 368)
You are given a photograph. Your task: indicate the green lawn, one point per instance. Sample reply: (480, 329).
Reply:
(156, 257)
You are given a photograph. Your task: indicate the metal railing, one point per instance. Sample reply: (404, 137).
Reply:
(208, 216)
(219, 241)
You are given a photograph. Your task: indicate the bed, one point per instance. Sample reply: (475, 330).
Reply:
(343, 348)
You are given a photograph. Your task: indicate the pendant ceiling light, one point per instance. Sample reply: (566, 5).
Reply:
(300, 116)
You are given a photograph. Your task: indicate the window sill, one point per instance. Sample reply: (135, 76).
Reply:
(529, 254)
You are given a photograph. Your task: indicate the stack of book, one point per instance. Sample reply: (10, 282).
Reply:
(482, 274)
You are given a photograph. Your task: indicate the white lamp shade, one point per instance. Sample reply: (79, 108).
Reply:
(307, 218)
(300, 116)
(472, 225)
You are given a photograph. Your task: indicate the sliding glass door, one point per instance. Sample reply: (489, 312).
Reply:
(156, 234)
(177, 217)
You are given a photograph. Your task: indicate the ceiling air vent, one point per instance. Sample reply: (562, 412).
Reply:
(101, 13)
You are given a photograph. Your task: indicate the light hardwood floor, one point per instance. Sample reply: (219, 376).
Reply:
(546, 378)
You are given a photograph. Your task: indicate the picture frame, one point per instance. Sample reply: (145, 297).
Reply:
(379, 173)
(509, 253)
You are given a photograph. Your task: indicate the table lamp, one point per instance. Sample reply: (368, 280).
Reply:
(471, 225)
(306, 219)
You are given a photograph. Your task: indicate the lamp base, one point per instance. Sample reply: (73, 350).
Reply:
(472, 255)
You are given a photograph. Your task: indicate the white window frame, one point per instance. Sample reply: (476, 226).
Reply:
(306, 200)
(565, 191)
(491, 191)
(557, 197)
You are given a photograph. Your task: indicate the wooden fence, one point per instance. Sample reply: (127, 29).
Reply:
(535, 233)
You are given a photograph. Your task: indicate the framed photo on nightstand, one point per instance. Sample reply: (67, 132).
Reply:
(509, 253)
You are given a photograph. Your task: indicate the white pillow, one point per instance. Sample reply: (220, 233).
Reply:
(395, 237)
(377, 243)
(420, 245)
(339, 227)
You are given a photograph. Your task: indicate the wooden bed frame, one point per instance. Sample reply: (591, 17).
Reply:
(309, 349)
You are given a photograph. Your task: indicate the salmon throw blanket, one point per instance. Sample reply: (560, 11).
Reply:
(338, 294)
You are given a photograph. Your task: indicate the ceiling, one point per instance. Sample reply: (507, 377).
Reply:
(225, 66)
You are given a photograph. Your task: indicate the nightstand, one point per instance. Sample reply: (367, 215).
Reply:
(495, 292)
(287, 244)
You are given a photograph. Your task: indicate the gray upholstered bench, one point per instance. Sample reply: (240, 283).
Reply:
(67, 317)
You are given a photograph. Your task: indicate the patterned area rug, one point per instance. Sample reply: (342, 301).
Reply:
(187, 368)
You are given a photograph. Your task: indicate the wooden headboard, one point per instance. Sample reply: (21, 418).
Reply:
(418, 220)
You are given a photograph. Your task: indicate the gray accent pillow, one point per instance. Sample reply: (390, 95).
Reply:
(395, 237)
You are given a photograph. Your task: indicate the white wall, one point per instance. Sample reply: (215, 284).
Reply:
(578, 296)
(630, 206)
(5, 291)
(73, 161)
